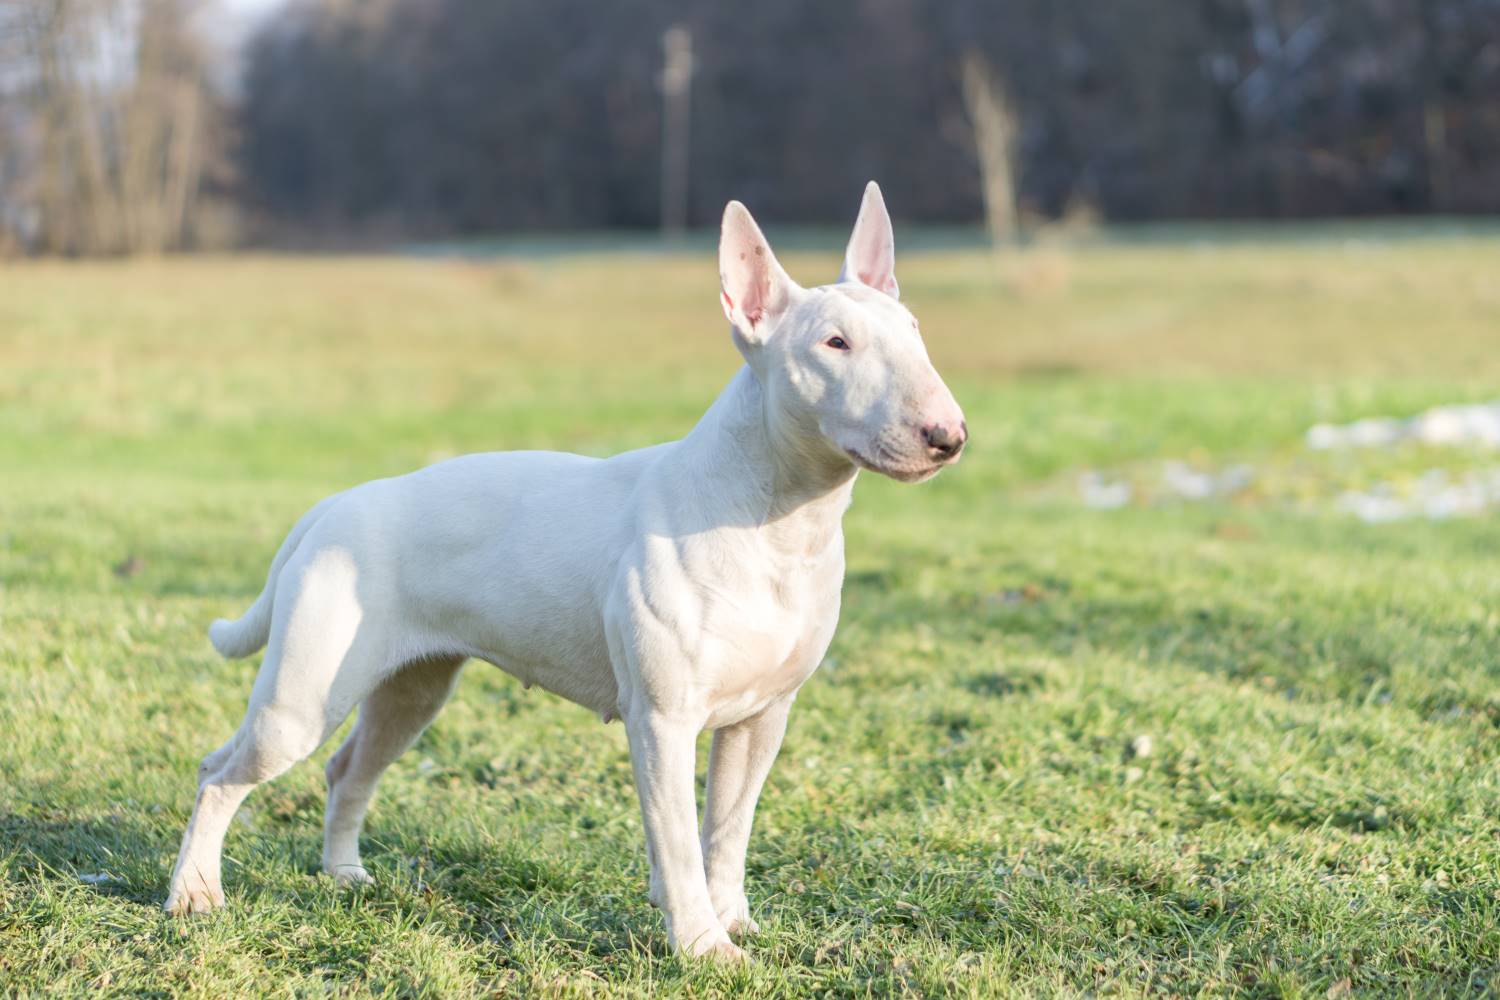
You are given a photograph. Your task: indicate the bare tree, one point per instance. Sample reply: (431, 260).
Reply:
(66, 103)
(993, 120)
(108, 117)
(676, 86)
(163, 130)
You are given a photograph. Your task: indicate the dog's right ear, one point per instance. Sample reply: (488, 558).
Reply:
(752, 285)
(871, 257)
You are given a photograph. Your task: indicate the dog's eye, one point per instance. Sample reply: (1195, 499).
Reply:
(837, 343)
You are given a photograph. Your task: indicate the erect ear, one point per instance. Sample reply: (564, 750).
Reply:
(753, 287)
(871, 257)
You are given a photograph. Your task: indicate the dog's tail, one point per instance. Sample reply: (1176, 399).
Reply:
(234, 639)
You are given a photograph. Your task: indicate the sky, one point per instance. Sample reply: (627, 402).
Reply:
(251, 8)
(230, 26)
(241, 17)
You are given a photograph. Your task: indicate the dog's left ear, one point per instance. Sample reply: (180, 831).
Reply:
(871, 257)
(752, 286)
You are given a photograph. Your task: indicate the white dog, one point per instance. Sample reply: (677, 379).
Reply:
(689, 586)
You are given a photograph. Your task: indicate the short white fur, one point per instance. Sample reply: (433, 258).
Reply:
(688, 586)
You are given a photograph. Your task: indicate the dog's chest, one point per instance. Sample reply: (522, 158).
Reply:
(777, 645)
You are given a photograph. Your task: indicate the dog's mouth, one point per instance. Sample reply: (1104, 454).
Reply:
(899, 471)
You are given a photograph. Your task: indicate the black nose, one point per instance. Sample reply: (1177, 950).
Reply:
(945, 442)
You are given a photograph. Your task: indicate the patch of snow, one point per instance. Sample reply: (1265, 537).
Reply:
(1454, 425)
(1444, 426)
(1180, 481)
(1102, 494)
(1374, 507)
(1435, 497)
(1183, 481)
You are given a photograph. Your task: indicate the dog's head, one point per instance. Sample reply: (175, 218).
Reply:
(843, 366)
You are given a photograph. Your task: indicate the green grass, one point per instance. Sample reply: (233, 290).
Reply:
(958, 809)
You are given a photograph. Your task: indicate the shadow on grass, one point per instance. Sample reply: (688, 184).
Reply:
(521, 890)
(494, 898)
(113, 854)
(1342, 653)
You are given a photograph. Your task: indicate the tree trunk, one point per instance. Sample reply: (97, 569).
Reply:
(993, 120)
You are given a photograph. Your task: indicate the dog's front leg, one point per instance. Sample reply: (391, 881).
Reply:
(662, 751)
(741, 758)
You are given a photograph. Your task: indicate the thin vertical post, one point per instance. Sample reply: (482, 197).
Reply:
(676, 89)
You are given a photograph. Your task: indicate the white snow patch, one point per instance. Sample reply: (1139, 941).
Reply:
(1435, 497)
(1101, 493)
(1179, 481)
(1187, 483)
(1446, 426)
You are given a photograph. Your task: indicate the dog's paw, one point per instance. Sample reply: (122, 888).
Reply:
(712, 944)
(742, 927)
(716, 947)
(345, 876)
(726, 953)
(736, 918)
(185, 901)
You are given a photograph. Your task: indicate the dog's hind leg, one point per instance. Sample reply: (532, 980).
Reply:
(271, 740)
(390, 720)
(323, 659)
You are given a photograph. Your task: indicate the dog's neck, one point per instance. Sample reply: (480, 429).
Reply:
(776, 476)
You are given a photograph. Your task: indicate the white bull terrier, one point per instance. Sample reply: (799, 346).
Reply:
(688, 586)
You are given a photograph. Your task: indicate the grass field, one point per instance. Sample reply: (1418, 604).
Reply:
(1241, 747)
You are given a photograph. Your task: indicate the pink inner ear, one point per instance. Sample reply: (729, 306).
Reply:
(871, 257)
(877, 280)
(752, 314)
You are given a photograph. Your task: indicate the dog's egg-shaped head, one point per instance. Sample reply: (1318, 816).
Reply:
(843, 366)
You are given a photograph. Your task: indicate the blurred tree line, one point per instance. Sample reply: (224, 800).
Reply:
(435, 117)
(110, 128)
(475, 115)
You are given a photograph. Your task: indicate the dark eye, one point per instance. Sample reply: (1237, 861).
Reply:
(837, 343)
